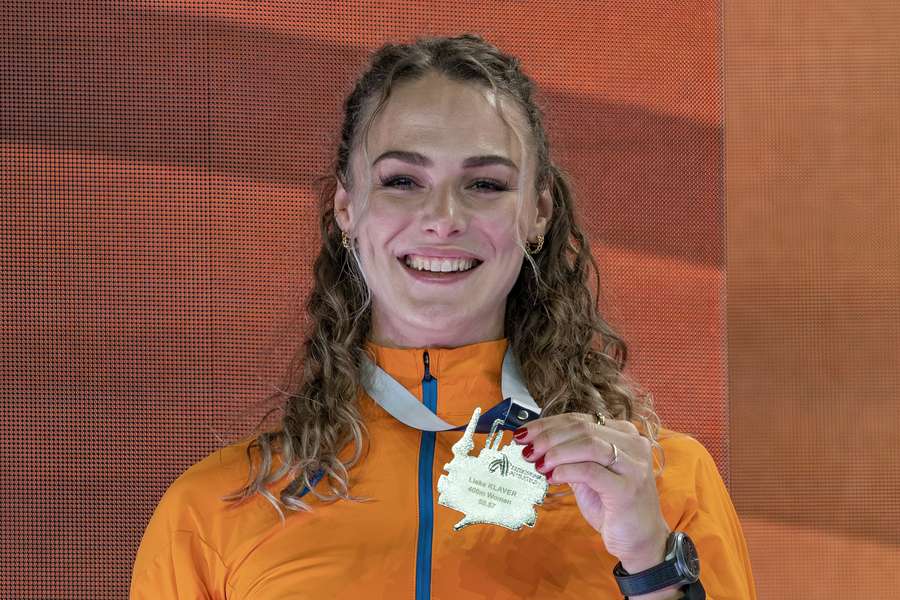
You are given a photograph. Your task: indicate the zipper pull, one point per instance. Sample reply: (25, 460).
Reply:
(427, 361)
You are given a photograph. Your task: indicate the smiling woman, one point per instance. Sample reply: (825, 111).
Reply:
(452, 277)
(443, 193)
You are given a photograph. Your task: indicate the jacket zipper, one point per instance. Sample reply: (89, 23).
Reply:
(426, 493)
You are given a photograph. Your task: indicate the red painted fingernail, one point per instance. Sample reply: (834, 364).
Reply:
(528, 451)
(539, 464)
(549, 474)
(520, 433)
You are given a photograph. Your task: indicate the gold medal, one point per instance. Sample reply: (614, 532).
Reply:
(498, 486)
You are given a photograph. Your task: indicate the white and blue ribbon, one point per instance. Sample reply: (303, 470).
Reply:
(517, 408)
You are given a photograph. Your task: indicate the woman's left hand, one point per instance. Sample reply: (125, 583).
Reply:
(618, 498)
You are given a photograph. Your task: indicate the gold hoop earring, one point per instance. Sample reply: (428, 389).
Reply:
(538, 245)
(345, 240)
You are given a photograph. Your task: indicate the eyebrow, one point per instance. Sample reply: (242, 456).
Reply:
(423, 161)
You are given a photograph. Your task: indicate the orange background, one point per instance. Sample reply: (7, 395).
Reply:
(159, 228)
(812, 136)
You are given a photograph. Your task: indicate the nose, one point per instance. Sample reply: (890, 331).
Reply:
(444, 214)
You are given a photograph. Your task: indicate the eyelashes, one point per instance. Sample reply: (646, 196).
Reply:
(402, 182)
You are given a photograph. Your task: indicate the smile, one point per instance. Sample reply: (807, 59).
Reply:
(439, 264)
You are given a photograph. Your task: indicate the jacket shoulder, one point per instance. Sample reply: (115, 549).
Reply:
(683, 451)
(183, 550)
(689, 472)
(194, 503)
(218, 474)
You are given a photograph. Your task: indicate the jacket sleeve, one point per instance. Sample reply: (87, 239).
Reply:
(173, 560)
(710, 519)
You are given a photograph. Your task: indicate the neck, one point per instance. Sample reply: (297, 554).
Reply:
(395, 331)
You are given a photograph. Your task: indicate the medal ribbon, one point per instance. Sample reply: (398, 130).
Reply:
(517, 408)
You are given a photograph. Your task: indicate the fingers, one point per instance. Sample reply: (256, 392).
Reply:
(548, 432)
(527, 433)
(623, 426)
(585, 449)
(590, 474)
(576, 437)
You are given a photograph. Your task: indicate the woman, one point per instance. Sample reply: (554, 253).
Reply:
(448, 237)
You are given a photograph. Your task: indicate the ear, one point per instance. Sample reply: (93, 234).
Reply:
(343, 208)
(544, 212)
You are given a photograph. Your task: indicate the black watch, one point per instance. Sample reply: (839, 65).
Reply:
(681, 566)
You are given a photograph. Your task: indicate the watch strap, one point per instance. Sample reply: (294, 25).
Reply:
(694, 591)
(663, 575)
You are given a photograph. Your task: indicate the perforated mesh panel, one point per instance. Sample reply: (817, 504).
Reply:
(813, 139)
(159, 228)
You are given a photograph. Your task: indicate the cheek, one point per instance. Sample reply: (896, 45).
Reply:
(380, 227)
(502, 236)
(499, 225)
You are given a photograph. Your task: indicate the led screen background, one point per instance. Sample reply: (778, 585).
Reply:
(160, 227)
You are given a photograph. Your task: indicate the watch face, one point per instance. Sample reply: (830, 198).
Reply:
(687, 559)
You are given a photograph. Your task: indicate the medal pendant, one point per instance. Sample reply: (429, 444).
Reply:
(498, 486)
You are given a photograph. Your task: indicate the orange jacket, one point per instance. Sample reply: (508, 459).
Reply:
(196, 548)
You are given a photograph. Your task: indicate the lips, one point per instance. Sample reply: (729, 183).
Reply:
(439, 276)
(440, 264)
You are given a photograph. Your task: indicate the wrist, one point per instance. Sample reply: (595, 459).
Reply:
(648, 560)
(652, 554)
(672, 573)
(636, 564)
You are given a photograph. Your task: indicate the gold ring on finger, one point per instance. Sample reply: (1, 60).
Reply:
(601, 418)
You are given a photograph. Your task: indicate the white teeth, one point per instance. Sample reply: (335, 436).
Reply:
(439, 265)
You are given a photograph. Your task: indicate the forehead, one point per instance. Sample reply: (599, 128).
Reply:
(445, 120)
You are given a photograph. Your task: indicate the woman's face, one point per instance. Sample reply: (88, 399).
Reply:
(437, 237)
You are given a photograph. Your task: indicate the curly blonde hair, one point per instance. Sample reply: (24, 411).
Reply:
(570, 357)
